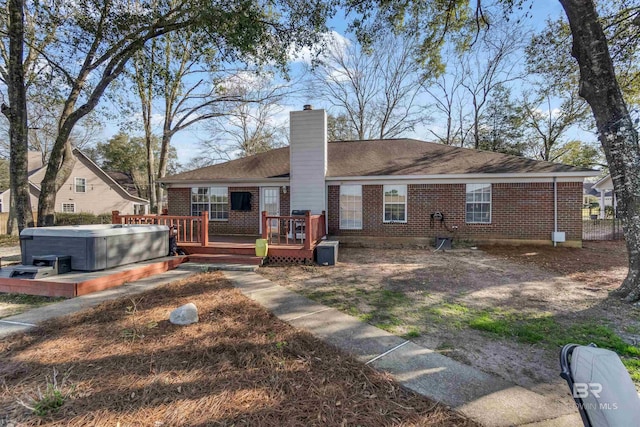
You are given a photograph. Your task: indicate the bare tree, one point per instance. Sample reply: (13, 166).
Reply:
(180, 72)
(490, 63)
(446, 92)
(249, 125)
(97, 39)
(550, 125)
(375, 87)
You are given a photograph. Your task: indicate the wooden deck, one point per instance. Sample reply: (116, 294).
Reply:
(77, 283)
(291, 239)
(246, 246)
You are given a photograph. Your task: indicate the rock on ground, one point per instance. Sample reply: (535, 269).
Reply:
(184, 315)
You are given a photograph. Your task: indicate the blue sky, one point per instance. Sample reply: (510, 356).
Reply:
(186, 142)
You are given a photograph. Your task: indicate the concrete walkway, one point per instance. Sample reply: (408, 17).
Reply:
(483, 397)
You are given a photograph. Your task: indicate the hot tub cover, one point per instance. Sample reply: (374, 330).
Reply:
(96, 230)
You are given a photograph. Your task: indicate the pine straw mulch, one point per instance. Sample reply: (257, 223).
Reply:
(600, 263)
(122, 363)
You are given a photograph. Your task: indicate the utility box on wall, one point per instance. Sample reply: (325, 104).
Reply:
(327, 252)
(558, 237)
(443, 243)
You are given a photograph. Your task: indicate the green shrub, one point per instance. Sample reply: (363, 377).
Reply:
(82, 218)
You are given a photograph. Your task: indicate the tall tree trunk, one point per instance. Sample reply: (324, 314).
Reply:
(164, 160)
(144, 83)
(12, 221)
(151, 173)
(16, 113)
(59, 168)
(619, 139)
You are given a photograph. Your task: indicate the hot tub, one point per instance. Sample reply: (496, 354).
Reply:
(96, 247)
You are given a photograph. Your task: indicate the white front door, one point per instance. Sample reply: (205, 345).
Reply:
(270, 202)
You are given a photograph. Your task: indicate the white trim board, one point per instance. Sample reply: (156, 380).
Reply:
(468, 180)
(276, 182)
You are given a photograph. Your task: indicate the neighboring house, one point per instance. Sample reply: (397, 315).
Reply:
(88, 189)
(387, 191)
(606, 195)
(590, 193)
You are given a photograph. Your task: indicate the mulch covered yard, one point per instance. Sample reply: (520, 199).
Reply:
(123, 363)
(599, 263)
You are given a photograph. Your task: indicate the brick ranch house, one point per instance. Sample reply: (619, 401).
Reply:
(397, 191)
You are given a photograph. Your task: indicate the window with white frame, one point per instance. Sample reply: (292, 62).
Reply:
(80, 185)
(351, 207)
(478, 209)
(139, 209)
(214, 200)
(68, 207)
(395, 203)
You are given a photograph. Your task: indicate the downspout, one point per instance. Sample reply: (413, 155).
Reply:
(555, 210)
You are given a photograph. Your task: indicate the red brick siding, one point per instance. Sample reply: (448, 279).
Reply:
(519, 211)
(240, 222)
(179, 201)
(284, 202)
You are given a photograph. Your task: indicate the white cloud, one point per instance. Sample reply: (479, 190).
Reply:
(333, 41)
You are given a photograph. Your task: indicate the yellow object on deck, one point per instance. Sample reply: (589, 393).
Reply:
(262, 247)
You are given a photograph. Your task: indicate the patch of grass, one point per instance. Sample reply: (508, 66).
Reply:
(602, 336)
(384, 298)
(325, 297)
(6, 240)
(445, 346)
(387, 322)
(49, 401)
(412, 332)
(454, 315)
(537, 328)
(633, 366)
(366, 317)
(520, 327)
(543, 329)
(632, 329)
(21, 299)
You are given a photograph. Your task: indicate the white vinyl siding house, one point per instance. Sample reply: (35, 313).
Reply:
(89, 189)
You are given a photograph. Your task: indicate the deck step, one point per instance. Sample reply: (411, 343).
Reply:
(203, 267)
(225, 259)
(234, 250)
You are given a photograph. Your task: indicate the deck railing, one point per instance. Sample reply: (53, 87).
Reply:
(191, 229)
(304, 230)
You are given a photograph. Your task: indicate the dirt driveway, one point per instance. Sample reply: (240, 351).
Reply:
(503, 310)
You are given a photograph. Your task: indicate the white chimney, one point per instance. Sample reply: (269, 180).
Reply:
(308, 159)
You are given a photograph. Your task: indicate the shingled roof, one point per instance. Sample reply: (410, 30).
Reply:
(389, 157)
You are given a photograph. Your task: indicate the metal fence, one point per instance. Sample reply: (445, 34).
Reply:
(596, 228)
(602, 229)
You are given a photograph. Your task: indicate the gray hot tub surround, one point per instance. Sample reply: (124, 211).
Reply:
(96, 247)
